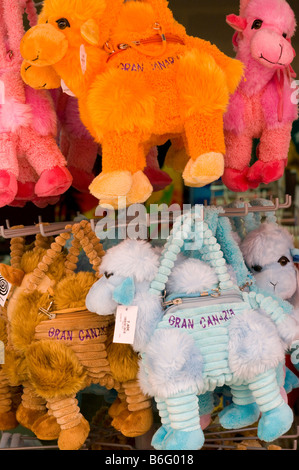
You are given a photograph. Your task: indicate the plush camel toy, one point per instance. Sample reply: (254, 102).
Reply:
(11, 376)
(140, 80)
(128, 269)
(44, 268)
(76, 143)
(61, 350)
(27, 122)
(262, 107)
(209, 336)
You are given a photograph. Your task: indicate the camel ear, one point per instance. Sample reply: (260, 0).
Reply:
(125, 293)
(90, 31)
(236, 22)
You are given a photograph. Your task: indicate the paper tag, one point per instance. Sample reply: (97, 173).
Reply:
(2, 92)
(66, 90)
(83, 58)
(125, 324)
(2, 353)
(5, 287)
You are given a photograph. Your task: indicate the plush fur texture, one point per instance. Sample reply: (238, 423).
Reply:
(192, 277)
(254, 345)
(262, 106)
(127, 112)
(72, 291)
(131, 258)
(138, 261)
(54, 369)
(251, 335)
(27, 124)
(173, 372)
(264, 247)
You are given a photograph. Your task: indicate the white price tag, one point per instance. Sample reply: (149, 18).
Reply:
(5, 287)
(125, 324)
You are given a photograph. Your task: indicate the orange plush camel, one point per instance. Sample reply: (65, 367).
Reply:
(140, 81)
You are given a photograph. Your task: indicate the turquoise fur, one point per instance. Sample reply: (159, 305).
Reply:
(125, 293)
(239, 416)
(291, 381)
(221, 336)
(206, 403)
(275, 423)
(184, 433)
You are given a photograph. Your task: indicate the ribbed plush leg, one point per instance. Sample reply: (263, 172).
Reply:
(242, 412)
(159, 436)
(7, 414)
(186, 433)
(31, 408)
(74, 427)
(206, 406)
(139, 408)
(277, 416)
(119, 409)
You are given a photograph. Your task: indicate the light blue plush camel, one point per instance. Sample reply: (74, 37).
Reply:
(212, 334)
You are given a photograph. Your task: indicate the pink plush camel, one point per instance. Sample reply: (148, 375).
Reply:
(27, 122)
(262, 107)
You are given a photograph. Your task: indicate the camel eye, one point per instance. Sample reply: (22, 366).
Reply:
(283, 261)
(107, 275)
(257, 268)
(63, 23)
(257, 24)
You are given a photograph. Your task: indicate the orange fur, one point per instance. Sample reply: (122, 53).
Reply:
(143, 95)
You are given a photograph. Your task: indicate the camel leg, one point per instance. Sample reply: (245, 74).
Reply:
(81, 157)
(122, 181)
(7, 413)
(242, 412)
(176, 157)
(74, 427)
(205, 145)
(276, 415)
(9, 169)
(32, 407)
(137, 418)
(118, 411)
(237, 161)
(272, 152)
(54, 178)
(161, 433)
(180, 423)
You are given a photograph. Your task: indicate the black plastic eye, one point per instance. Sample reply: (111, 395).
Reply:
(283, 261)
(257, 268)
(285, 35)
(257, 24)
(63, 23)
(107, 275)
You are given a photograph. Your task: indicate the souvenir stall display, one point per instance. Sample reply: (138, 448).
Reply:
(149, 250)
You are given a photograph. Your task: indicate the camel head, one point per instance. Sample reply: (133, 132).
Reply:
(64, 29)
(264, 31)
